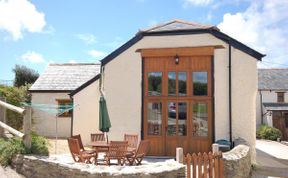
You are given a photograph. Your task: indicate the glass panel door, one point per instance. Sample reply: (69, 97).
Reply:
(154, 118)
(177, 119)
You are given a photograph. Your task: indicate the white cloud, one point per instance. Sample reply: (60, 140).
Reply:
(97, 54)
(33, 57)
(118, 41)
(17, 16)
(264, 27)
(197, 2)
(72, 61)
(87, 38)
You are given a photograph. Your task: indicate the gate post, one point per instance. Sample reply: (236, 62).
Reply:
(2, 116)
(27, 127)
(215, 147)
(179, 155)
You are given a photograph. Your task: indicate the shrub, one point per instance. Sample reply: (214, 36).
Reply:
(39, 145)
(269, 133)
(9, 148)
(13, 146)
(15, 96)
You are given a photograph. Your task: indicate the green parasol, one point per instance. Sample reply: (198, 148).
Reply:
(104, 121)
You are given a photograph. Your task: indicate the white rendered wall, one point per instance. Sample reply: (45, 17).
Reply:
(44, 123)
(244, 90)
(86, 112)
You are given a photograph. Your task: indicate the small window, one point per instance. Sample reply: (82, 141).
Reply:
(182, 83)
(172, 83)
(64, 108)
(200, 83)
(280, 97)
(154, 83)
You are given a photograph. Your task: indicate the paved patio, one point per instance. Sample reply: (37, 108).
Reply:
(272, 159)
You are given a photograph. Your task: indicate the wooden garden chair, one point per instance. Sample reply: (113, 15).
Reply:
(80, 155)
(138, 156)
(117, 151)
(132, 142)
(97, 137)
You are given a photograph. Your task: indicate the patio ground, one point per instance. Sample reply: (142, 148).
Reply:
(272, 159)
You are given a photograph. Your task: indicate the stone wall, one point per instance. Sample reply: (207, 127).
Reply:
(45, 167)
(237, 162)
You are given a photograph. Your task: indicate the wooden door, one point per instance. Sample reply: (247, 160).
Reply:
(280, 121)
(177, 102)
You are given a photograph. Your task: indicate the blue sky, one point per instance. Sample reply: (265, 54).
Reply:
(35, 33)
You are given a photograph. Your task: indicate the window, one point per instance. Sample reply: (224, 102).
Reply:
(200, 119)
(182, 83)
(154, 118)
(64, 108)
(171, 83)
(200, 83)
(154, 83)
(280, 97)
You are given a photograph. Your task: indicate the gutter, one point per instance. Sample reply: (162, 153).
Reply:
(230, 95)
(261, 106)
(72, 118)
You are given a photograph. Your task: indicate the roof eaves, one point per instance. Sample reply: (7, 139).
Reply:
(49, 91)
(213, 30)
(84, 85)
(121, 49)
(237, 44)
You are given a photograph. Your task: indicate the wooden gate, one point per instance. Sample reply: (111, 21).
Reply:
(204, 165)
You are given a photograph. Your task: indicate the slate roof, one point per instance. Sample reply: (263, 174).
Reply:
(175, 25)
(273, 79)
(65, 77)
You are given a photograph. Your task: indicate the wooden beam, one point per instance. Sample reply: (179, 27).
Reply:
(182, 51)
(11, 130)
(12, 107)
(2, 117)
(27, 127)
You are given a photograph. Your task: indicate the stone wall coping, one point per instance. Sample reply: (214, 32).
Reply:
(237, 153)
(113, 170)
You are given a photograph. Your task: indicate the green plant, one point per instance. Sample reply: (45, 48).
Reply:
(39, 145)
(15, 96)
(266, 132)
(13, 146)
(9, 148)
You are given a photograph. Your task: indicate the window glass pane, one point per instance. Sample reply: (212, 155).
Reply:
(182, 118)
(200, 83)
(154, 83)
(200, 119)
(154, 118)
(171, 83)
(182, 83)
(171, 118)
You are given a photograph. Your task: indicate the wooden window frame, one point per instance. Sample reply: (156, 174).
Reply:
(64, 101)
(280, 97)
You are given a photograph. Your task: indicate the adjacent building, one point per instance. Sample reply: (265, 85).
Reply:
(272, 99)
(52, 90)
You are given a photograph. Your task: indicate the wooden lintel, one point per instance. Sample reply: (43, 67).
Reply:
(182, 51)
